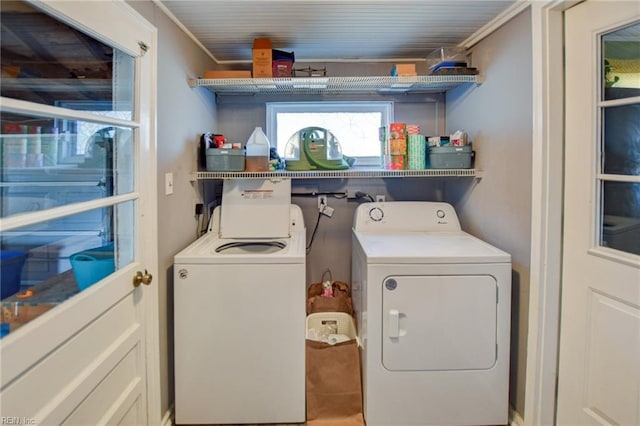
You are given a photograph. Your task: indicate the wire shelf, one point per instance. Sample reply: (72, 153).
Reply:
(334, 85)
(337, 174)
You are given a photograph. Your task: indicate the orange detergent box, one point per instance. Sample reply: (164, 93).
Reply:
(397, 130)
(398, 146)
(262, 58)
(398, 162)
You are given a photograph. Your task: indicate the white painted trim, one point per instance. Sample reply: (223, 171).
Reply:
(184, 29)
(491, 26)
(18, 106)
(167, 419)
(546, 215)
(25, 219)
(149, 230)
(97, 18)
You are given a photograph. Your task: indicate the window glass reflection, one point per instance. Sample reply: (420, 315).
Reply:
(45, 264)
(621, 62)
(621, 140)
(47, 163)
(47, 62)
(620, 228)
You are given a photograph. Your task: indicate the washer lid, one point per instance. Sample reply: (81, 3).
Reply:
(427, 247)
(211, 249)
(251, 247)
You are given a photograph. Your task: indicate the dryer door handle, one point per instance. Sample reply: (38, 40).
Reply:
(394, 323)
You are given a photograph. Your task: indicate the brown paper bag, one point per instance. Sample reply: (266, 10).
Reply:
(340, 302)
(333, 387)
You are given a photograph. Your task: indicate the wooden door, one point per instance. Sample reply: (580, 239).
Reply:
(89, 355)
(599, 368)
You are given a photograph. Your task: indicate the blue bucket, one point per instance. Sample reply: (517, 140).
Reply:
(90, 266)
(11, 263)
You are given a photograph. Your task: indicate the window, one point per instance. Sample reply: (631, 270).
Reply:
(355, 124)
(68, 157)
(618, 179)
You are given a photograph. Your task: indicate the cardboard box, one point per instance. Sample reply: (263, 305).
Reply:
(404, 70)
(262, 66)
(227, 74)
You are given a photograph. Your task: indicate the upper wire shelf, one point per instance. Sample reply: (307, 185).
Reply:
(335, 85)
(333, 174)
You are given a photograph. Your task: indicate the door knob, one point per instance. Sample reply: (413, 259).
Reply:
(140, 278)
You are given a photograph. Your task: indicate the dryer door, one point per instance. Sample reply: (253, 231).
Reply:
(439, 322)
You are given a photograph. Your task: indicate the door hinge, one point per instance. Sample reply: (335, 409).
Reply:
(143, 47)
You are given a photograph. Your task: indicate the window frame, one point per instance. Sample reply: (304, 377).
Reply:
(386, 108)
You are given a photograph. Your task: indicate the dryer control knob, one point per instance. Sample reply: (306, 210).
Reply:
(376, 214)
(440, 213)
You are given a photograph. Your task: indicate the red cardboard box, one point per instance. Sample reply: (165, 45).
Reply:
(282, 68)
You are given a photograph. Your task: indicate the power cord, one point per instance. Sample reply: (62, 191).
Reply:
(313, 234)
(364, 195)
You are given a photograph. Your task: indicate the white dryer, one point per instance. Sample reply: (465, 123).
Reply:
(433, 308)
(239, 313)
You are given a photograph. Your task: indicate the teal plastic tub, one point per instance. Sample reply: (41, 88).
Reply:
(90, 266)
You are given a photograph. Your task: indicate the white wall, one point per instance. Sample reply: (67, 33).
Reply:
(183, 114)
(498, 117)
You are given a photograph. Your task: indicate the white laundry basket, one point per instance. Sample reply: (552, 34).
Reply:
(344, 322)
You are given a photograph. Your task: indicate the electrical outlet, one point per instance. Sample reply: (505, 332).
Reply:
(380, 198)
(322, 202)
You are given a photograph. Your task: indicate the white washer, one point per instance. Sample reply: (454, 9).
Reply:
(433, 308)
(239, 318)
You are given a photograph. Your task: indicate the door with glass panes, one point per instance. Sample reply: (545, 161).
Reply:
(77, 215)
(599, 367)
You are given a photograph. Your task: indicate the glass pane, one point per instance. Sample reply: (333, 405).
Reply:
(45, 264)
(356, 131)
(621, 140)
(621, 63)
(48, 163)
(621, 216)
(47, 62)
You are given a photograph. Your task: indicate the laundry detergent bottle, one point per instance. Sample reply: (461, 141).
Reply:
(257, 152)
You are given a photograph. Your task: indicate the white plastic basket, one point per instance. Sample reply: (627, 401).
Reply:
(344, 322)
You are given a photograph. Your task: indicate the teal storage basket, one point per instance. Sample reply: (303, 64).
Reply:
(90, 266)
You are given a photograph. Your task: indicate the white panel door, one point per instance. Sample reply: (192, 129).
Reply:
(90, 355)
(599, 359)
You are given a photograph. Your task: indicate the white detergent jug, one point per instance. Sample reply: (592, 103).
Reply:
(257, 152)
